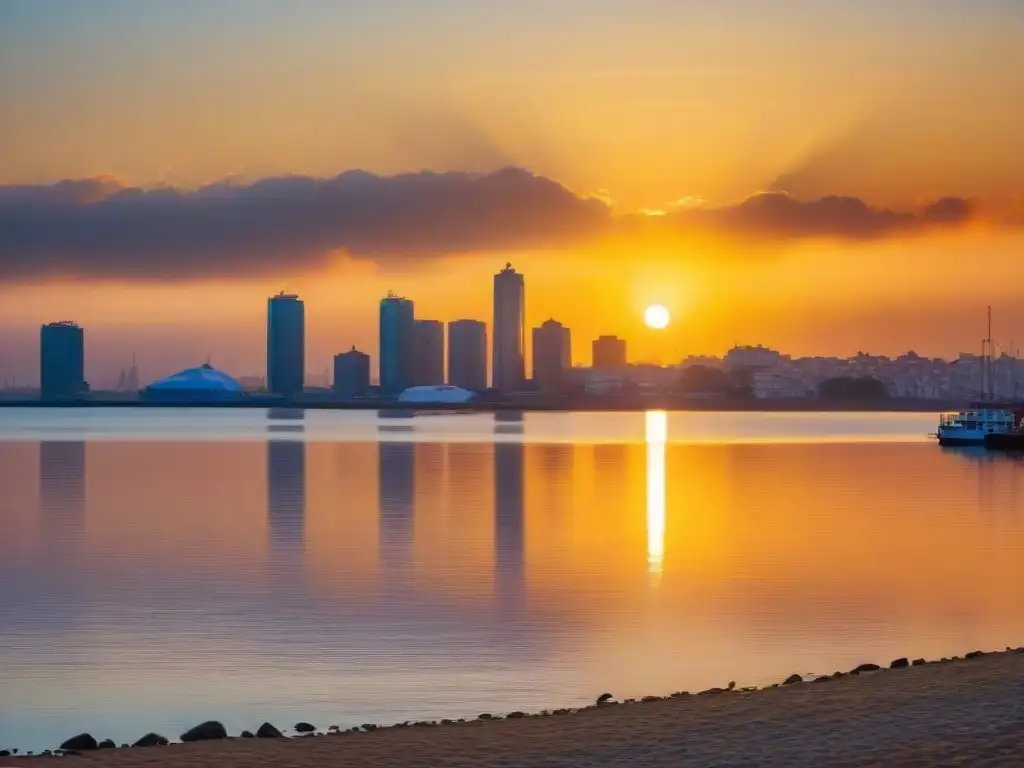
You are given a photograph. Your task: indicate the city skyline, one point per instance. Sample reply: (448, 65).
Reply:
(819, 178)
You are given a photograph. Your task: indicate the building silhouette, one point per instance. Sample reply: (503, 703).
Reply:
(609, 353)
(428, 353)
(286, 345)
(552, 356)
(508, 367)
(351, 374)
(62, 361)
(467, 354)
(397, 344)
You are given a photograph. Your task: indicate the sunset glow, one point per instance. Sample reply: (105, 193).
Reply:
(656, 316)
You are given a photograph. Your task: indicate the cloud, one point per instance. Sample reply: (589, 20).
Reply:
(102, 228)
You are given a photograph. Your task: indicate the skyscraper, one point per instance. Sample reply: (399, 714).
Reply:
(351, 374)
(467, 354)
(397, 344)
(286, 345)
(428, 353)
(62, 361)
(552, 356)
(609, 353)
(508, 370)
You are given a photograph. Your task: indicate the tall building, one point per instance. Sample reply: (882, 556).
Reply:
(397, 344)
(286, 345)
(467, 354)
(351, 374)
(508, 369)
(428, 355)
(609, 353)
(552, 356)
(62, 361)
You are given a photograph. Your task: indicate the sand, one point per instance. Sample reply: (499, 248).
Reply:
(960, 713)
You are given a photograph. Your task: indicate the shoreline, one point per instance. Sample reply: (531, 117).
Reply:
(918, 713)
(582, 406)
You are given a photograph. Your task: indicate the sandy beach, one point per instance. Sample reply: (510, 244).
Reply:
(959, 713)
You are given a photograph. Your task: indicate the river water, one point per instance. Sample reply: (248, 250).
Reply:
(159, 567)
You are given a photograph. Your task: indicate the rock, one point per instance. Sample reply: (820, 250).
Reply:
(485, 716)
(649, 699)
(151, 740)
(372, 727)
(247, 735)
(864, 668)
(267, 731)
(918, 663)
(680, 694)
(334, 728)
(207, 731)
(792, 679)
(900, 664)
(4, 753)
(124, 746)
(304, 727)
(603, 698)
(974, 655)
(515, 715)
(106, 744)
(446, 721)
(822, 679)
(80, 743)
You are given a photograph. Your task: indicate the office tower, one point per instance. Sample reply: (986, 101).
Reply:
(351, 374)
(428, 354)
(508, 369)
(286, 345)
(609, 353)
(552, 356)
(467, 354)
(62, 361)
(397, 340)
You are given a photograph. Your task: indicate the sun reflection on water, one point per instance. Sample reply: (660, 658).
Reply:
(655, 435)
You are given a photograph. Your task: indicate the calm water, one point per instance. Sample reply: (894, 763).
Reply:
(160, 568)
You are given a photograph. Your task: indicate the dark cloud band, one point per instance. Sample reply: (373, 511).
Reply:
(99, 228)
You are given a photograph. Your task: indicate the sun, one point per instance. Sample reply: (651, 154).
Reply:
(656, 316)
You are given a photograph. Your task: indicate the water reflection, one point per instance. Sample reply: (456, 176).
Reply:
(655, 435)
(62, 518)
(396, 483)
(286, 486)
(509, 524)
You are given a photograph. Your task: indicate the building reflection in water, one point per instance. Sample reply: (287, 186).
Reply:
(61, 493)
(286, 482)
(396, 487)
(655, 435)
(509, 523)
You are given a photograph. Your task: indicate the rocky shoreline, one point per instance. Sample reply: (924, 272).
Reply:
(213, 731)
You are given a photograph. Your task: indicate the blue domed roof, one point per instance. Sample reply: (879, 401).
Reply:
(203, 378)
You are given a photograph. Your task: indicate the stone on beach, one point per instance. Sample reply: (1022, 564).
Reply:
(80, 743)
(305, 727)
(247, 735)
(604, 697)
(900, 664)
(864, 668)
(268, 731)
(792, 679)
(207, 731)
(106, 744)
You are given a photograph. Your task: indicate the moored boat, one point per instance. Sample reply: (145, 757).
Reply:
(973, 426)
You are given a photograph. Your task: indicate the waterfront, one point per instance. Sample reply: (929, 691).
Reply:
(159, 568)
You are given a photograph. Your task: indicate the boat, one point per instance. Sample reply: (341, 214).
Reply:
(1006, 441)
(985, 417)
(973, 426)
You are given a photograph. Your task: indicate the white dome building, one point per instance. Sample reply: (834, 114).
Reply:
(204, 383)
(442, 393)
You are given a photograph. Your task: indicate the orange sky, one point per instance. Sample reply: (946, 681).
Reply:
(643, 105)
